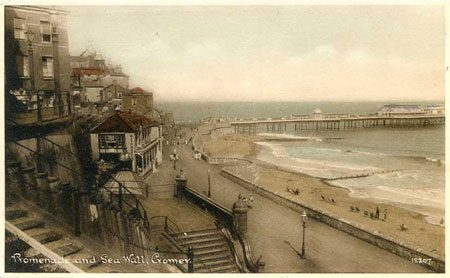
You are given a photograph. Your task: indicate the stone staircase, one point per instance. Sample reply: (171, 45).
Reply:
(211, 251)
(48, 240)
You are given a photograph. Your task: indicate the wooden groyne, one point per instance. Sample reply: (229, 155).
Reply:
(361, 175)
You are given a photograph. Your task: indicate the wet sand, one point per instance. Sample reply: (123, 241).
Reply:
(419, 234)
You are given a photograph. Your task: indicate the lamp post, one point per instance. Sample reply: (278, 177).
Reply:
(175, 158)
(304, 217)
(209, 183)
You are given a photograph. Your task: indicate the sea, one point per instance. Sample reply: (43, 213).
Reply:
(406, 165)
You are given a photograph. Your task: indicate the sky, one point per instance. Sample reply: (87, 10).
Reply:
(270, 53)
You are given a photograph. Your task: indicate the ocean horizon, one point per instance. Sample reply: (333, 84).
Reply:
(194, 111)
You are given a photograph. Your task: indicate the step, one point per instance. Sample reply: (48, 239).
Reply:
(213, 257)
(214, 250)
(222, 268)
(201, 264)
(206, 232)
(58, 243)
(37, 230)
(67, 250)
(29, 224)
(46, 237)
(201, 239)
(207, 245)
(15, 213)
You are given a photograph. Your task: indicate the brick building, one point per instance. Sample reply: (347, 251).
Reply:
(139, 101)
(37, 63)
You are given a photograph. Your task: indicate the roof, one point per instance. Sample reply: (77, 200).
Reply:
(396, 108)
(123, 122)
(87, 71)
(317, 111)
(128, 179)
(137, 90)
(116, 85)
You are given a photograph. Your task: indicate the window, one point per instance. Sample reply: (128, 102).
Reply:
(46, 33)
(22, 65)
(133, 101)
(19, 28)
(112, 141)
(47, 67)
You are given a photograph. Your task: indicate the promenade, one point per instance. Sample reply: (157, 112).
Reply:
(271, 226)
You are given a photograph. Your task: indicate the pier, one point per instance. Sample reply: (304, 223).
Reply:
(333, 122)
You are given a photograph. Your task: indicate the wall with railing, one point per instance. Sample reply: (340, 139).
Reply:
(47, 114)
(117, 219)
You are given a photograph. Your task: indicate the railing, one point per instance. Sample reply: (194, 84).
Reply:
(165, 223)
(47, 114)
(137, 207)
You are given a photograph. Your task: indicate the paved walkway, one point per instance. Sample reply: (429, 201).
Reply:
(270, 226)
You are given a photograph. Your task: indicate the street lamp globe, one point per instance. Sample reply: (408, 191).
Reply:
(304, 217)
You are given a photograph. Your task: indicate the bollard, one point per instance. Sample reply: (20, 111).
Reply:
(180, 184)
(240, 209)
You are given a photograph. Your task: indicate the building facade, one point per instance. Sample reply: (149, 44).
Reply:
(131, 138)
(139, 101)
(37, 63)
(91, 76)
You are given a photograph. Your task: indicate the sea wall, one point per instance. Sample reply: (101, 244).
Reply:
(373, 237)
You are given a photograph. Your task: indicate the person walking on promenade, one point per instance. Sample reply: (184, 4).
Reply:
(377, 213)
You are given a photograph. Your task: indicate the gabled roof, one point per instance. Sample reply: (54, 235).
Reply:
(123, 122)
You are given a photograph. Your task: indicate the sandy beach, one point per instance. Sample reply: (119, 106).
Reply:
(317, 193)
